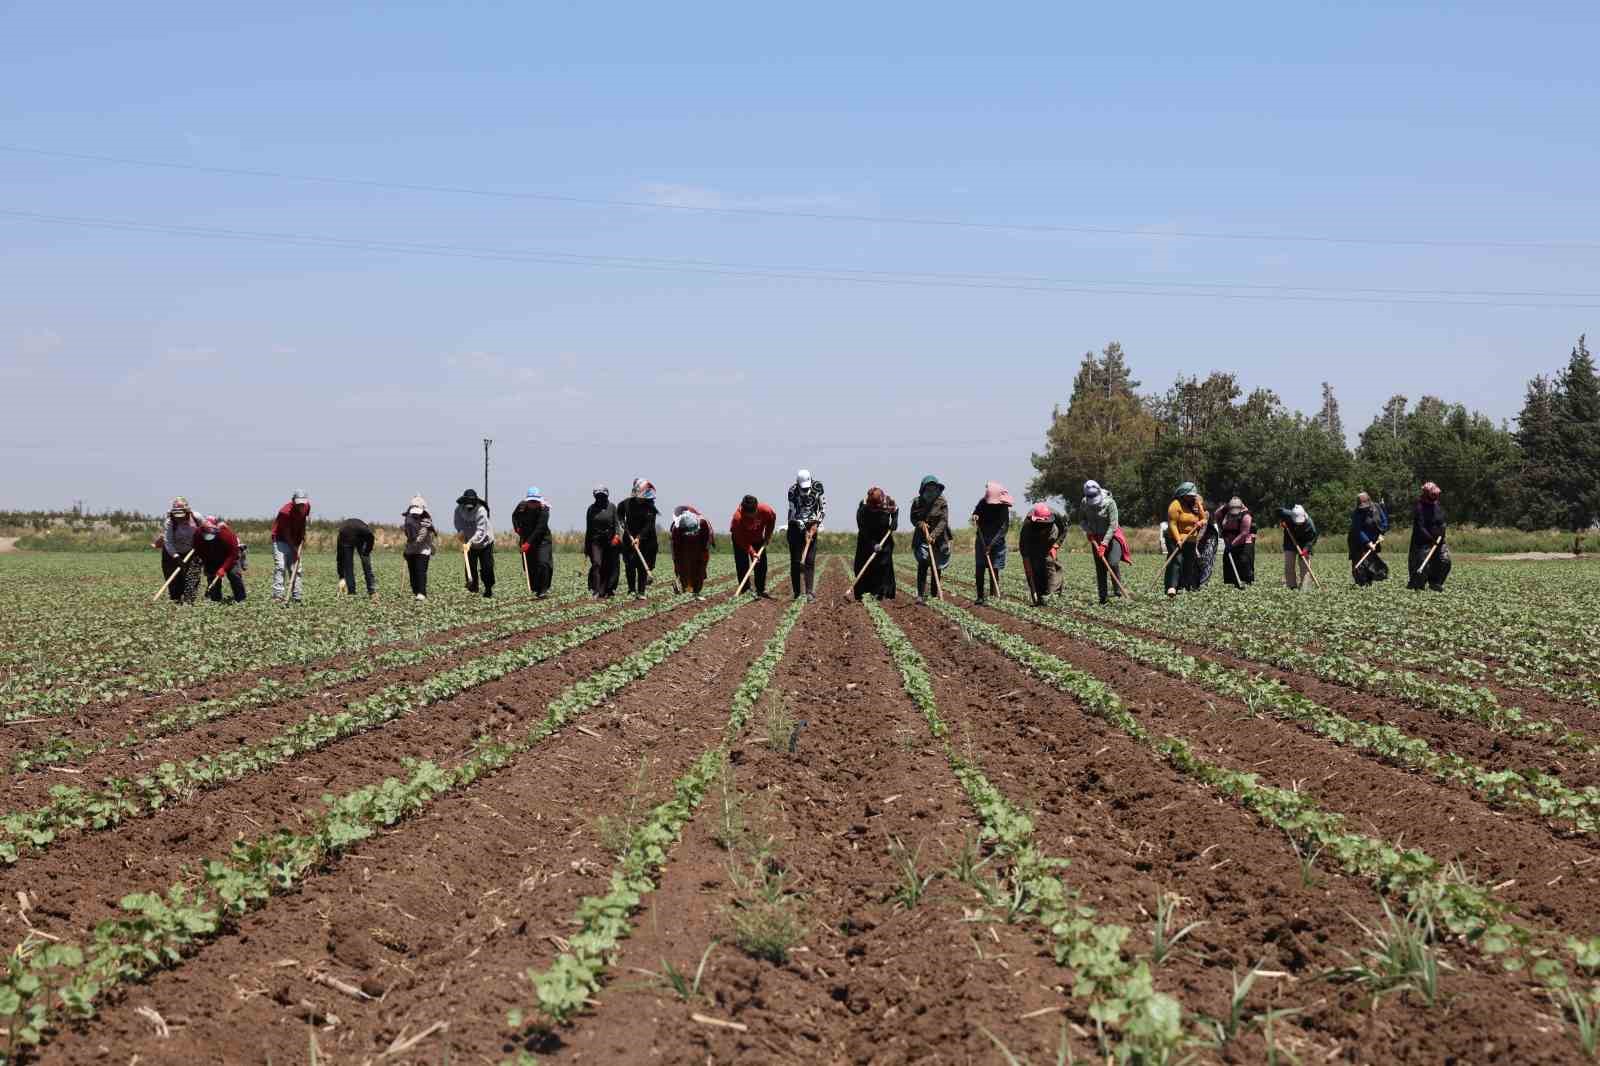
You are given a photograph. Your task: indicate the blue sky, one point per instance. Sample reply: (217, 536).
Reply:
(138, 364)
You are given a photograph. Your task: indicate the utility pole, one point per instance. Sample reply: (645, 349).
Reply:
(486, 443)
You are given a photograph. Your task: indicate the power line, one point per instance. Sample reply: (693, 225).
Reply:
(818, 216)
(1534, 299)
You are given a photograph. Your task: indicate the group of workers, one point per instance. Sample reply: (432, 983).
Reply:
(621, 539)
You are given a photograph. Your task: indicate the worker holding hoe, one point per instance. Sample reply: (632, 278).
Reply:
(602, 543)
(877, 517)
(637, 516)
(1299, 536)
(1238, 544)
(355, 538)
(1186, 521)
(807, 508)
(1430, 557)
(930, 536)
(1103, 527)
(991, 521)
(1368, 523)
(751, 531)
(288, 539)
(477, 537)
(1039, 542)
(218, 550)
(531, 520)
(691, 539)
(176, 541)
(420, 536)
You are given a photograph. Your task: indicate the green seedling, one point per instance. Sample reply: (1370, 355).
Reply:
(912, 884)
(1162, 937)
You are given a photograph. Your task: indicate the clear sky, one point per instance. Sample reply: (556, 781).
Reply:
(1451, 148)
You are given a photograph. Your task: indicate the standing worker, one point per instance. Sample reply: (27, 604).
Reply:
(355, 538)
(637, 516)
(1299, 535)
(1238, 544)
(531, 520)
(288, 539)
(1039, 542)
(751, 531)
(877, 517)
(807, 508)
(991, 521)
(930, 534)
(691, 538)
(602, 544)
(217, 549)
(474, 530)
(1102, 524)
(1186, 520)
(176, 541)
(1430, 556)
(420, 534)
(1368, 523)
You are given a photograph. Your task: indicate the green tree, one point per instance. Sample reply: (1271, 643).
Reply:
(1100, 435)
(1577, 436)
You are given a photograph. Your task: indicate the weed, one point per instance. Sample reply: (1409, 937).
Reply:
(1307, 858)
(1162, 937)
(680, 982)
(783, 731)
(908, 891)
(964, 868)
(1587, 1018)
(730, 828)
(764, 919)
(615, 831)
(1401, 957)
(1063, 1049)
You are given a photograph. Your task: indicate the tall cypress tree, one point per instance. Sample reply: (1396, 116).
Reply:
(1577, 435)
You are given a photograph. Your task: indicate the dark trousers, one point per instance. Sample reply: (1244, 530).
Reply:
(1374, 569)
(235, 585)
(541, 563)
(345, 554)
(802, 562)
(1183, 573)
(480, 566)
(741, 563)
(1438, 568)
(603, 561)
(996, 555)
(186, 585)
(1039, 569)
(878, 577)
(1102, 576)
(638, 572)
(1239, 565)
(417, 572)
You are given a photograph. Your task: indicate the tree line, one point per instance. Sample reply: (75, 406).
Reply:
(1542, 474)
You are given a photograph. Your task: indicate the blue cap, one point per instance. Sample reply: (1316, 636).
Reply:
(534, 493)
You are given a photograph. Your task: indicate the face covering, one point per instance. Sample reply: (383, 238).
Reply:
(930, 493)
(209, 536)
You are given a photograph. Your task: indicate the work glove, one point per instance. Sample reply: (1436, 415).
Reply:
(525, 547)
(1055, 549)
(616, 540)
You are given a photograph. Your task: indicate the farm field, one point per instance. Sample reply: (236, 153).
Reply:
(1346, 826)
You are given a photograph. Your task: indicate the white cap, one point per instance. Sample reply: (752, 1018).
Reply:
(803, 479)
(1299, 513)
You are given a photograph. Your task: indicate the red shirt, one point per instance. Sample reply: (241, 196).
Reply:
(750, 531)
(290, 525)
(684, 543)
(221, 553)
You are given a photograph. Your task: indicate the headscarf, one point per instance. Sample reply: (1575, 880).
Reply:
(180, 506)
(877, 499)
(1186, 489)
(534, 494)
(601, 490)
(994, 492)
(1041, 513)
(1300, 516)
(418, 506)
(1236, 506)
(643, 489)
(929, 481)
(803, 478)
(1092, 491)
(1430, 492)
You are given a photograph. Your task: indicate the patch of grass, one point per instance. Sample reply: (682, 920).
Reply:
(782, 728)
(911, 883)
(616, 830)
(1401, 957)
(765, 914)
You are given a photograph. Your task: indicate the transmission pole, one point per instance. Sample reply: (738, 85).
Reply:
(486, 442)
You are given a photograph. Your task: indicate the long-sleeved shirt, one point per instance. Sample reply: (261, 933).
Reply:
(1368, 524)
(1304, 535)
(685, 544)
(1182, 522)
(599, 523)
(935, 514)
(751, 531)
(992, 519)
(531, 520)
(1036, 538)
(472, 522)
(177, 537)
(873, 522)
(219, 553)
(1101, 519)
(807, 506)
(638, 517)
(419, 533)
(1427, 523)
(354, 533)
(289, 527)
(1239, 529)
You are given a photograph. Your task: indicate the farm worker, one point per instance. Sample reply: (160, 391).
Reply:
(1299, 534)
(807, 508)
(638, 514)
(691, 548)
(1368, 523)
(991, 521)
(602, 543)
(1186, 521)
(1427, 532)
(930, 533)
(1238, 544)
(1039, 542)
(217, 548)
(751, 531)
(355, 538)
(1102, 526)
(877, 517)
(176, 540)
(474, 530)
(420, 533)
(531, 520)
(288, 538)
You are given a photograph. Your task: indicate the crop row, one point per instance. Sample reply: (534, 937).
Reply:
(1452, 900)
(604, 921)
(48, 983)
(1119, 988)
(118, 799)
(1534, 790)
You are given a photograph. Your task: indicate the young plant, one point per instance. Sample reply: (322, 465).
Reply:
(764, 919)
(1162, 937)
(1401, 957)
(783, 731)
(681, 984)
(912, 884)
